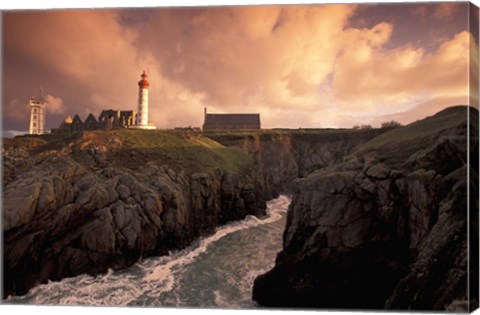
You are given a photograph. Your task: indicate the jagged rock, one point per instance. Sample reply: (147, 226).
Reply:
(99, 236)
(378, 171)
(335, 248)
(123, 192)
(68, 215)
(19, 204)
(280, 159)
(382, 235)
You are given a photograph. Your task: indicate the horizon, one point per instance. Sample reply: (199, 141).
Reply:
(299, 66)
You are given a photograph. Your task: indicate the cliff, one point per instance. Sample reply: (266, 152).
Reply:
(104, 199)
(283, 155)
(386, 227)
(98, 200)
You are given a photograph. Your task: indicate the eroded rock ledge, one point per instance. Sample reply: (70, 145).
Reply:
(392, 234)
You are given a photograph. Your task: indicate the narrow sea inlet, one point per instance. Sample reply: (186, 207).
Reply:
(217, 271)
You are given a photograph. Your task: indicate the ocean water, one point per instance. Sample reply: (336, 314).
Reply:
(216, 271)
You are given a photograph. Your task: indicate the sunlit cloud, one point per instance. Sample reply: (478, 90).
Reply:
(302, 65)
(54, 105)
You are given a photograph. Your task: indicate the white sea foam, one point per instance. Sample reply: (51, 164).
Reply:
(152, 281)
(275, 209)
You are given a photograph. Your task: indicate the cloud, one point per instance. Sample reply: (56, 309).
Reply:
(13, 133)
(385, 80)
(439, 11)
(249, 58)
(420, 11)
(300, 65)
(16, 109)
(446, 10)
(74, 55)
(54, 105)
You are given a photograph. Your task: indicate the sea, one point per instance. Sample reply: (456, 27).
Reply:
(213, 272)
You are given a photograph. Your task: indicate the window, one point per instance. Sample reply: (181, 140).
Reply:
(34, 124)
(34, 110)
(34, 116)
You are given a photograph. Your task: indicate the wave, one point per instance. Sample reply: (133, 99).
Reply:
(147, 282)
(275, 209)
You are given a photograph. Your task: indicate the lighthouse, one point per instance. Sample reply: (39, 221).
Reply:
(142, 116)
(37, 116)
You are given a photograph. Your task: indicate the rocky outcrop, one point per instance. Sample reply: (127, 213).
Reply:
(96, 200)
(93, 204)
(372, 235)
(282, 156)
(379, 225)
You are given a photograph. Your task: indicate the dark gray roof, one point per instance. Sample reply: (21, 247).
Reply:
(77, 120)
(233, 119)
(90, 117)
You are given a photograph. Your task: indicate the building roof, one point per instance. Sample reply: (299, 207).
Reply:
(109, 112)
(90, 117)
(77, 120)
(234, 120)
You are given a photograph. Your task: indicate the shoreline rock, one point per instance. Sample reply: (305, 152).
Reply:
(78, 210)
(366, 234)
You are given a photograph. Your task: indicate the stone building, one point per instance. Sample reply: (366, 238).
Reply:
(37, 116)
(90, 123)
(231, 121)
(108, 119)
(77, 124)
(128, 118)
(65, 126)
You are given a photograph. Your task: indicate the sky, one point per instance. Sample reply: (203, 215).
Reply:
(309, 66)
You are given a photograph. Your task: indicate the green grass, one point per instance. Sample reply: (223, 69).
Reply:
(237, 137)
(181, 150)
(189, 151)
(396, 145)
(39, 143)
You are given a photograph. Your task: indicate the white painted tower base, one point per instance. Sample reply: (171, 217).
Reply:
(147, 127)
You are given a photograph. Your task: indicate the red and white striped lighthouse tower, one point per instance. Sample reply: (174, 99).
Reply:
(142, 116)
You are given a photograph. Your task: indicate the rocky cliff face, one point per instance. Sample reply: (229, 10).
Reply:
(282, 156)
(102, 200)
(377, 220)
(387, 227)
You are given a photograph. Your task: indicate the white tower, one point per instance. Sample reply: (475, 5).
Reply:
(37, 116)
(142, 116)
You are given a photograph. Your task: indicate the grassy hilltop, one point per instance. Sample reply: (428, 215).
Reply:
(128, 147)
(396, 145)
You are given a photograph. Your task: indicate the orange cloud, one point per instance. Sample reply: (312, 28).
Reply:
(54, 105)
(401, 76)
(298, 65)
